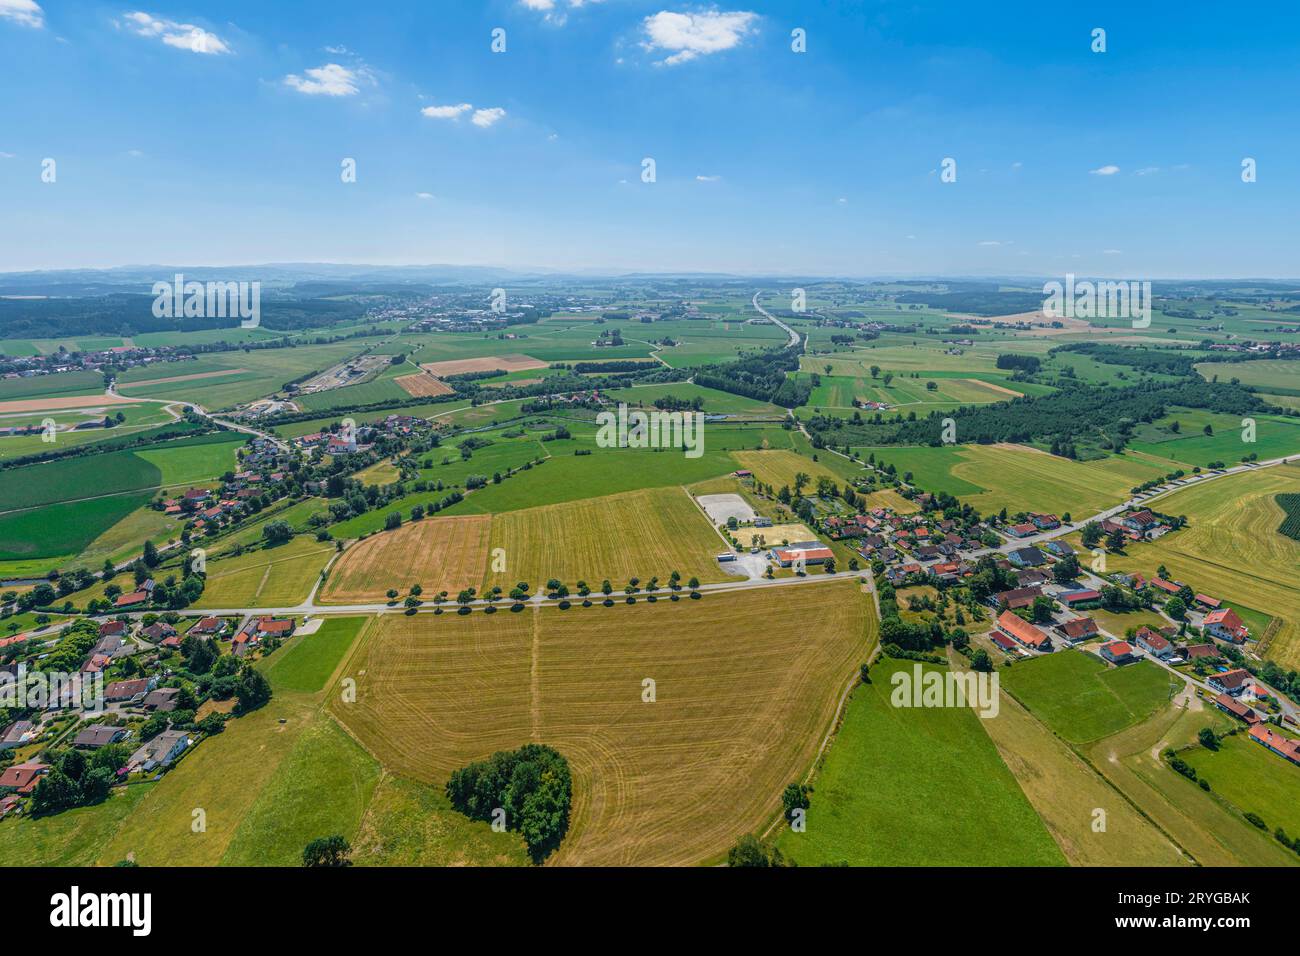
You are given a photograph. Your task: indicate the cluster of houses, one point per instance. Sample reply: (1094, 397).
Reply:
(362, 438)
(126, 701)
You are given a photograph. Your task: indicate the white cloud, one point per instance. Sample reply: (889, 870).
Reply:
(485, 118)
(1112, 252)
(990, 242)
(7, 155)
(1104, 171)
(26, 12)
(424, 195)
(446, 112)
(1017, 164)
(328, 80)
(689, 35)
(1148, 171)
(135, 153)
(707, 179)
(183, 36)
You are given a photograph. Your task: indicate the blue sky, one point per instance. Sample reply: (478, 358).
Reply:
(1124, 163)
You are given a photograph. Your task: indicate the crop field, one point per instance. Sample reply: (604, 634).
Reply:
(635, 534)
(422, 385)
(437, 553)
(34, 540)
(1251, 778)
(673, 781)
(715, 402)
(1232, 549)
(1082, 698)
(1065, 791)
(919, 786)
(282, 576)
(1018, 478)
(1274, 437)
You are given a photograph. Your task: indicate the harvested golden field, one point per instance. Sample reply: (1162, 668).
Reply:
(423, 385)
(777, 467)
(746, 686)
(507, 363)
(437, 553)
(636, 534)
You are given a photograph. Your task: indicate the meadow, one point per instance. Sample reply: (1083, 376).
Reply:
(919, 786)
(1065, 791)
(673, 781)
(1208, 830)
(1082, 698)
(1251, 778)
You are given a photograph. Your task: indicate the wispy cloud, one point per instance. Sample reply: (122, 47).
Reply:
(446, 112)
(1104, 171)
(708, 179)
(26, 12)
(554, 11)
(686, 36)
(1147, 171)
(331, 79)
(424, 195)
(182, 36)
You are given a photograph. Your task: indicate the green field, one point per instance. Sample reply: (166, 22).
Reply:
(916, 787)
(305, 664)
(1251, 778)
(282, 576)
(1082, 698)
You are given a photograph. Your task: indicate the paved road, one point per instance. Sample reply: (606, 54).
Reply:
(794, 336)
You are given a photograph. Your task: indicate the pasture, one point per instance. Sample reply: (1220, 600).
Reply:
(915, 786)
(745, 686)
(1082, 698)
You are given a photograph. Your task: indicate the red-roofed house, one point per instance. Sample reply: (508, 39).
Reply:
(1169, 587)
(22, 778)
(1225, 624)
(1021, 631)
(1227, 702)
(1232, 682)
(1153, 643)
(132, 599)
(785, 557)
(1204, 600)
(1282, 746)
(1118, 652)
(1079, 629)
